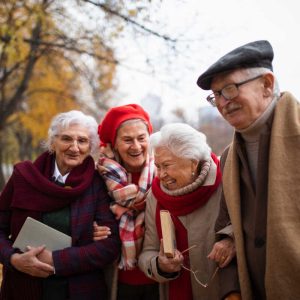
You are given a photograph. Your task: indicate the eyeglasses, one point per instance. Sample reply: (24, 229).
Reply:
(185, 267)
(69, 141)
(229, 92)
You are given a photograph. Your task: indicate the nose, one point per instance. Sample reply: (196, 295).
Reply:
(222, 101)
(74, 145)
(136, 144)
(161, 173)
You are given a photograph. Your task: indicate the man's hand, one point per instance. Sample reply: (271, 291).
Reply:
(223, 252)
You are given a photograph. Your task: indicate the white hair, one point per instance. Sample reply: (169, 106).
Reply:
(252, 72)
(182, 140)
(74, 117)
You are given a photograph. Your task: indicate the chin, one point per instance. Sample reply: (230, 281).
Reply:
(137, 166)
(134, 168)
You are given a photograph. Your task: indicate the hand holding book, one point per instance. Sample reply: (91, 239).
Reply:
(34, 234)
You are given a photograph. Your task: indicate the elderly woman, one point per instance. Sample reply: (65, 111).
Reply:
(61, 189)
(188, 186)
(128, 171)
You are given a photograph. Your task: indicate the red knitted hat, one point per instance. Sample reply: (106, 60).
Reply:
(108, 128)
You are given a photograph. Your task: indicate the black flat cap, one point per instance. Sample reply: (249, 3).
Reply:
(251, 55)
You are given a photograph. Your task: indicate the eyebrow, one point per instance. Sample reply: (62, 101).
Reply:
(129, 136)
(77, 137)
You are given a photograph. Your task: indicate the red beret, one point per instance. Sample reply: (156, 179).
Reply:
(109, 126)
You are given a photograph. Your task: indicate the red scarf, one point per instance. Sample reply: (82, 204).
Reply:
(181, 287)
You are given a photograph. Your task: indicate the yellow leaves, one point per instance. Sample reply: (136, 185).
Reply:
(49, 62)
(132, 12)
(49, 93)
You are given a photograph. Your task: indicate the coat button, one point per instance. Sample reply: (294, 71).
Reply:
(259, 242)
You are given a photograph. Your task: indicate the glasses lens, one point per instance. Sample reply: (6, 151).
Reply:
(230, 91)
(211, 99)
(68, 140)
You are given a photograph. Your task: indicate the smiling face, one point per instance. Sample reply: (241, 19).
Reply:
(174, 172)
(71, 146)
(251, 102)
(132, 143)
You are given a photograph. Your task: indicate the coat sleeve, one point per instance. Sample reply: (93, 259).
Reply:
(88, 255)
(6, 249)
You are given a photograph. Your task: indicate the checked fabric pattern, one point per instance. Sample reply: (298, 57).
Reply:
(128, 205)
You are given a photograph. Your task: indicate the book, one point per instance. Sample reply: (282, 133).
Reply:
(35, 233)
(168, 233)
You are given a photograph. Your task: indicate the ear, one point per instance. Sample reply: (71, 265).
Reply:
(194, 165)
(269, 81)
(52, 148)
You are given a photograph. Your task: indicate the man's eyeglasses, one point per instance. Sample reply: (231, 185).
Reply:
(68, 140)
(229, 92)
(188, 268)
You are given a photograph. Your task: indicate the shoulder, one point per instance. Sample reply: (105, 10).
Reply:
(150, 200)
(97, 178)
(22, 164)
(98, 183)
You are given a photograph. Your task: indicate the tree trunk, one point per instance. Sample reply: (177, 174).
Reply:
(2, 177)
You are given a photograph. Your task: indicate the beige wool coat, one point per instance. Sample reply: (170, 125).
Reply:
(282, 264)
(200, 227)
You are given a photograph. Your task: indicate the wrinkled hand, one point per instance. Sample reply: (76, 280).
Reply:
(223, 252)
(29, 263)
(45, 256)
(169, 265)
(100, 232)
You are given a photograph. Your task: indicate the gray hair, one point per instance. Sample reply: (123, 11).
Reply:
(261, 71)
(132, 121)
(73, 117)
(182, 140)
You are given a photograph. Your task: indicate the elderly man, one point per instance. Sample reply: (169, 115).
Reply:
(261, 171)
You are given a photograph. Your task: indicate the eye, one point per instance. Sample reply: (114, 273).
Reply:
(66, 138)
(83, 141)
(127, 141)
(229, 88)
(217, 94)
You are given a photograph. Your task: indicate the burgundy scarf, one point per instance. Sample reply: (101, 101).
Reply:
(33, 192)
(181, 287)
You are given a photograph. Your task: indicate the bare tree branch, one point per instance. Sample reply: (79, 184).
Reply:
(15, 99)
(129, 20)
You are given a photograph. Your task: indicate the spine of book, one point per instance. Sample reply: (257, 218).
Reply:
(168, 233)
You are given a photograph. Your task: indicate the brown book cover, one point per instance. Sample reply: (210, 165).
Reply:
(168, 233)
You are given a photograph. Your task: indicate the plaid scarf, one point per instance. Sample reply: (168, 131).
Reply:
(128, 205)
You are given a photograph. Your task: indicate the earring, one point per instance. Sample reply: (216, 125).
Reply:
(193, 174)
